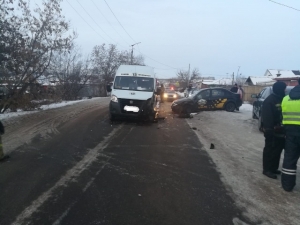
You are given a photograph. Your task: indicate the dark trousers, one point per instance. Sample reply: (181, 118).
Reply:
(272, 151)
(289, 166)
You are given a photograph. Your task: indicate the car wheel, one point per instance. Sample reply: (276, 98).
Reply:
(230, 107)
(260, 124)
(188, 110)
(185, 110)
(151, 117)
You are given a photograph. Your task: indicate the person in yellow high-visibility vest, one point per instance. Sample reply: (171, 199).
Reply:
(291, 121)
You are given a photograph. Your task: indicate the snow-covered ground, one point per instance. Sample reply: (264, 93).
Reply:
(246, 107)
(181, 94)
(23, 127)
(6, 115)
(238, 156)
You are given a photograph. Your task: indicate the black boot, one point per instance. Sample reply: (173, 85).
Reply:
(278, 172)
(269, 174)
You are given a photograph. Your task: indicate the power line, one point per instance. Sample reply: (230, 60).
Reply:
(284, 5)
(85, 20)
(135, 41)
(118, 21)
(108, 21)
(95, 21)
(111, 38)
(158, 61)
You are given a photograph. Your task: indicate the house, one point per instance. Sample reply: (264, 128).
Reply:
(275, 73)
(290, 77)
(259, 81)
(219, 82)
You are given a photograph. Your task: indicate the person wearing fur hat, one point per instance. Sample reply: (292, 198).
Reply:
(273, 130)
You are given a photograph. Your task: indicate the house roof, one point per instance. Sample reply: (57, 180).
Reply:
(221, 81)
(260, 80)
(283, 73)
(47, 81)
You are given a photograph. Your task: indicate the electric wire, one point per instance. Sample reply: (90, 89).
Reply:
(108, 21)
(111, 38)
(85, 20)
(95, 21)
(284, 5)
(118, 21)
(135, 41)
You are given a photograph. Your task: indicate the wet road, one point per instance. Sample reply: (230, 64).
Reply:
(94, 172)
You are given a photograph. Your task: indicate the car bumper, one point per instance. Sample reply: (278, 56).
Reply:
(117, 109)
(175, 107)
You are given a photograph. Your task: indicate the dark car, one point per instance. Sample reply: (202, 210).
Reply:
(170, 95)
(208, 99)
(259, 99)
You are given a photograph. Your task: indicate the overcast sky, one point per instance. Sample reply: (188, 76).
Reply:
(215, 36)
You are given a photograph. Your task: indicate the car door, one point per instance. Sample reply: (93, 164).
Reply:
(257, 104)
(218, 98)
(203, 100)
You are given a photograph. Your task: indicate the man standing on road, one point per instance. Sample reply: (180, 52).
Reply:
(273, 130)
(240, 92)
(291, 122)
(234, 89)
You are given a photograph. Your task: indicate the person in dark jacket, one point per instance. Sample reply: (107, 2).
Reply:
(291, 122)
(234, 89)
(273, 130)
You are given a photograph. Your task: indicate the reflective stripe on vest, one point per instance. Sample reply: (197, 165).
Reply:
(290, 111)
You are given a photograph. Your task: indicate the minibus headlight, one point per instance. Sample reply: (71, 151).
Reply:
(114, 98)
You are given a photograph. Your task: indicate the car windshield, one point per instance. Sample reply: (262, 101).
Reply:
(134, 83)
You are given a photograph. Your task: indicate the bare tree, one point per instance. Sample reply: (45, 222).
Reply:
(195, 74)
(240, 79)
(106, 60)
(33, 36)
(72, 71)
(184, 77)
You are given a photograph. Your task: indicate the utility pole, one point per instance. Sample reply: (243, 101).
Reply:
(131, 61)
(188, 77)
(232, 78)
(237, 74)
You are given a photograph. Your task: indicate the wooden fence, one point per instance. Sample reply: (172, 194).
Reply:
(249, 90)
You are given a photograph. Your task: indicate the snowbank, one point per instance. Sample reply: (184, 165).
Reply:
(246, 107)
(43, 107)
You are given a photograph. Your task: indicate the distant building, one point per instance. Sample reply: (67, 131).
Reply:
(290, 77)
(259, 81)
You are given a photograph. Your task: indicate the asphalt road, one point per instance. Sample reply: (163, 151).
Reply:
(94, 172)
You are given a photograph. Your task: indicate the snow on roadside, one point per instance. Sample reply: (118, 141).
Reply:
(246, 107)
(7, 115)
(180, 94)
